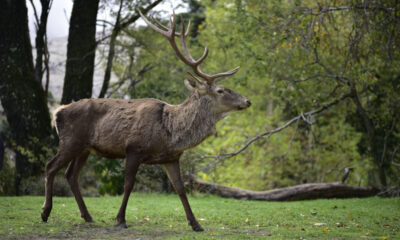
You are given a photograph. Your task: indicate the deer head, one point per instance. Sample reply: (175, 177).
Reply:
(223, 100)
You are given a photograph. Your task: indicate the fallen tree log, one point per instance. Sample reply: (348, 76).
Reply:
(298, 192)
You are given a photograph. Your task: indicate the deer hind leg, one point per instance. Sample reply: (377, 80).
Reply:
(52, 167)
(131, 168)
(173, 172)
(72, 175)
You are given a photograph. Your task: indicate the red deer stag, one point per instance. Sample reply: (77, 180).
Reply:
(147, 131)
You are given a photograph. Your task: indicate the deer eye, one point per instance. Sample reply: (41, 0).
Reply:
(220, 91)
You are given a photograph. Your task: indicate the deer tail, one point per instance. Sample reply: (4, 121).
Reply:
(55, 112)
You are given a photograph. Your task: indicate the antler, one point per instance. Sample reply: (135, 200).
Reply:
(170, 33)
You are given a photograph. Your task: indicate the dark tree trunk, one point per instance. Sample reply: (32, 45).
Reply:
(81, 49)
(1, 153)
(21, 96)
(40, 39)
(294, 193)
(372, 137)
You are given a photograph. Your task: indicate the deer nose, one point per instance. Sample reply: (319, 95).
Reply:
(248, 103)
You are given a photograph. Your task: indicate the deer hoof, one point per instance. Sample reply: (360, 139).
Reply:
(44, 217)
(88, 219)
(197, 228)
(121, 225)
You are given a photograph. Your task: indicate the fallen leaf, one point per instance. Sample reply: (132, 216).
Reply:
(350, 217)
(303, 229)
(319, 224)
(383, 238)
(325, 230)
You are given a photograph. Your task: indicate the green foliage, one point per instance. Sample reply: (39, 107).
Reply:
(160, 216)
(295, 56)
(289, 59)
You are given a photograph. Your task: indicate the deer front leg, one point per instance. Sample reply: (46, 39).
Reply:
(131, 168)
(173, 172)
(72, 175)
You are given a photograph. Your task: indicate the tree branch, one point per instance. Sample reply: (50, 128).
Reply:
(302, 116)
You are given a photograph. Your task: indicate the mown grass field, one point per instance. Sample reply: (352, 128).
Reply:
(160, 216)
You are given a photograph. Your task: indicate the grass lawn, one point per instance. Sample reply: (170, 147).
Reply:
(160, 216)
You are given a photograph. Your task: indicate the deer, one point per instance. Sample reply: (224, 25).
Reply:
(144, 131)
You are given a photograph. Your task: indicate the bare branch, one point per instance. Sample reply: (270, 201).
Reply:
(105, 22)
(321, 10)
(303, 116)
(35, 14)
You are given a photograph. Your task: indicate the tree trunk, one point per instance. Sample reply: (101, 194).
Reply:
(1, 153)
(21, 96)
(371, 133)
(81, 49)
(40, 39)
(294, 193)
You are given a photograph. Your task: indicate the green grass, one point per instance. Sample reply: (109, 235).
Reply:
(160, 216)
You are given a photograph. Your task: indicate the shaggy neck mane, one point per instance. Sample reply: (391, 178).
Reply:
(191, 122)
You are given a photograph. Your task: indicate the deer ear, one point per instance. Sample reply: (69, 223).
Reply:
(194, 83)
(189, 85)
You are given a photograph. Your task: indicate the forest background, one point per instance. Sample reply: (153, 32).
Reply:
(323, 78)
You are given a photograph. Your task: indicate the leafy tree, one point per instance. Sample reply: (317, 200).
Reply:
(309, 53)
(122, 22)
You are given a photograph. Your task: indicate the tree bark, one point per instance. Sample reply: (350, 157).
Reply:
(1, 153)
(371, 133)
(294, 193)
(78, 81)
(21, 96)
(40, 38)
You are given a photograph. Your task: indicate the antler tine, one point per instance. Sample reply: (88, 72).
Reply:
(187, 29)
(190, 75)
(172, 22)
(160, 25)
(224, 74)
(170, 34)
(154, 27)
(183, 40)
